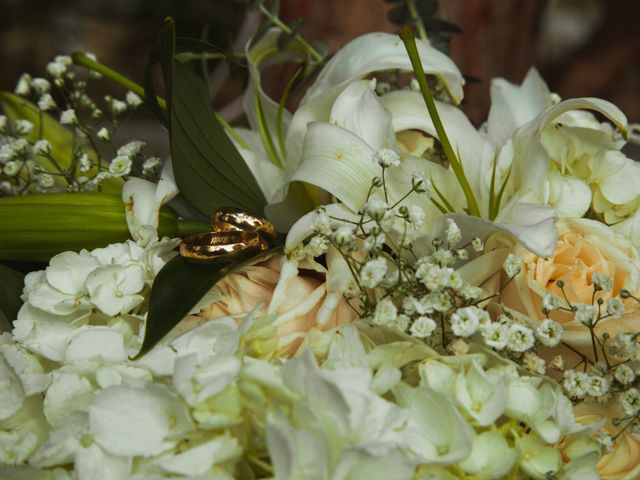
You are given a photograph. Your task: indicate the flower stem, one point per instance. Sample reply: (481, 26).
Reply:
(409, 40)
(415, 16)
(282, 26)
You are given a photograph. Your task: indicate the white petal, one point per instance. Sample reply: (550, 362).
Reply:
(101, 343)
(573, 195)
(199, 459)
(11, 391)
(93, 463)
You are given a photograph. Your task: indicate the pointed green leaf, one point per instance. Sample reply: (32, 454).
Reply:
(11, 283)
(178, 287)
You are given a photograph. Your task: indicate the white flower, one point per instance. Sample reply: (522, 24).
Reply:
(602, 281)
(624, 374)
(133, 99)
(42, 147)
(23, 87)
(415, 216)
(64, 60)
(41, 85)
(421, 184)
(376, 208)
(45, 180)
(586, 314)
(453, 233)
(23, 127)
(56, 69)
(534, 363)
(512, 265)
(630, 401)
(490, 457)
(321, 222)
(385, 313)
(131, 149)
(437, 278)
(317, 246)
(597, 385)
(115, 289)
(103, 134)
(575, 383)
(615, 307)
(150, 165)
(68, 117)
(496, 335)
(422, 327)
(481, 394)
(550, 302)
(84, 162)
(46, 102)
(604, 440)
(343, 235)
(470, 292)
(549, 332)
(387, 158)
(118, 106)
(520, 338)
(373, 272)
(12, 168)
(465, 321)
(121, 165)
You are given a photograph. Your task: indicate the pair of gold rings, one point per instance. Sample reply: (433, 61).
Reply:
(236, 235)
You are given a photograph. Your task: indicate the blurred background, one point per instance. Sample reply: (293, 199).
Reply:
(581, 47)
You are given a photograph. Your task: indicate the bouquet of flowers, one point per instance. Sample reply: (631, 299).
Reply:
(368, 286)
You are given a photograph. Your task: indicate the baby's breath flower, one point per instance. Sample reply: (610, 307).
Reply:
(458, 347)
(521, 338)
(575, 383)
(387, 158)
(443, 257)
(373, 242)
(373, 272)
(46, 102)
(118, 106)
(132, 148)
(317, 246)
(438, 301)
(623, 345)
(586, 314)
(84, 162)
(376, 208)
(534, 363)
(602, 281)
(45, 180)
(23, 127)
(64, 60)
(615, 307)
(42, 147)
(496, 335)
(56, 69)
(604, 440)
(624, 374)
(68, 117)
(321, 222)
(477, 244)
(465, 321)
(119, 166)
(23, 87)
(12, 168)
(40, 85)
(512, 265)
(420, 184)
(150, 165)
(634, 430)
(550, 302)
(453, 233)
(462, 254)
(415, 216)
(470, 292)
(436, 278)
(422, 327)
(597, 386)
(343, 236)
(630, 401)
(401, 323)
(557, 363)
(549, 332)
(385, 313)
(133, 99)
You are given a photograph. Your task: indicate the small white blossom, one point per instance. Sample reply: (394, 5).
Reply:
(512, 265)
(317, 246)
(630, 401)
(23, 127)
(373, 242)
(150, 165)
(415, 216)
(23, 87)
(131, 149)
(586, 314)
(119, 166)
(133, 99)
(550, 302)
(321, 222)
(575, 383)
(45, 181)
(602, 281)
(42, 147)
(624, 374)
(443, 257)
(103, 134)
(597, 386)
(56, 69)
(470, 292)
(465, 322)
(401, 323)
(604, 440)
(421, 184)
(462, 254)
(12, 168)
(453, 233)
(458, 347)
(68, 117)
(40, 85)
(477, 244)
(521, 338)
(534, 363)
(118, 106)
(385, 313)
(549, 332)
(615, 307)
(496, 335)
(422, 327)
(343, 235)
(387, 158)
(84, 162)
(438, 301)
(437, 278)
(64, 60)
(373, 272)
(46, 102)
(376, 208)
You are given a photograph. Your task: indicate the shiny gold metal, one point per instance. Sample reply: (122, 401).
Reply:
(243, 220)
(222, 246)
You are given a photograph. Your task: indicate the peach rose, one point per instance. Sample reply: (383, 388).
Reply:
(623, 461)
(303, 296)
(584, 247)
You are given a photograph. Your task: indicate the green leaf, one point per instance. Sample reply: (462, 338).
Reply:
(11, 283)
(178, 287)
(208, 169)
(60, 138)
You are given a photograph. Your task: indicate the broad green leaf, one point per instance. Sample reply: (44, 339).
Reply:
(60, 138)
(11, 283)
(178, 287)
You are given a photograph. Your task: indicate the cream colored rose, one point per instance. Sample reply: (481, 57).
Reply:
(623, 461)
(303, 296)
(584, 247)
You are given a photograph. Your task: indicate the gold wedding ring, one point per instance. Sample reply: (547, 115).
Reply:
(234, 217)
(235, 234)
(222, 246)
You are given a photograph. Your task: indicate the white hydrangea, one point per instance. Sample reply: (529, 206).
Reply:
(549, 332)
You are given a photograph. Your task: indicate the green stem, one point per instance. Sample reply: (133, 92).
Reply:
(282, 26)
(409, 40)
(415, 16)
(83, 60)
(190, 227)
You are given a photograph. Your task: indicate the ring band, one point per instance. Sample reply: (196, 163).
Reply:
(245, 221)
(222, 246)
